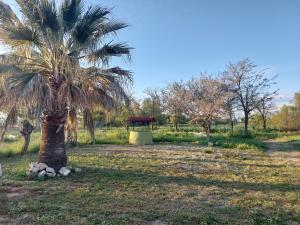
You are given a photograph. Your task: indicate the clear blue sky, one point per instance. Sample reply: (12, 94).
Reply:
(176, 39)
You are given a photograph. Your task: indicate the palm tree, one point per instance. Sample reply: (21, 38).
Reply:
(58, 59)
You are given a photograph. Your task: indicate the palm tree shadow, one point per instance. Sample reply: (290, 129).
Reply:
(285, 146)
(92, 174)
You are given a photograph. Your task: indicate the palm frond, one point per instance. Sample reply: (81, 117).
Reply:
(87, 27)
(72, 93)
(97, 97)
(124, 74)
(4, 69)
(42, 15)
(71, 11)
(88, 123)
(108, 28)
(7, 16)
(29, 10)
(109, 50)
(109, 75)
(48, 16)
(27, 90)
(11, 119)
(19, 35)
(19, 81)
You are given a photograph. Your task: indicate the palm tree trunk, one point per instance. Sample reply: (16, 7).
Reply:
(52, 149)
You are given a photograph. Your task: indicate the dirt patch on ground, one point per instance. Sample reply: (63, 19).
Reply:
(13, 192)
(5, 219)
(9, 193)
(284, 150)
(158, 222)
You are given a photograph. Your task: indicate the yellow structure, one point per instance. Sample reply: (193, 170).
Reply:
(141, 138)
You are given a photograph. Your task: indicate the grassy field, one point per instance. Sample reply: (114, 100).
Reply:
(254, 140)
(157, 185)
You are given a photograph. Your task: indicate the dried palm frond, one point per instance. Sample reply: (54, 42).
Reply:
(11, 119)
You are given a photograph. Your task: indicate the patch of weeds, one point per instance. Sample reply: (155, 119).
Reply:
(261, 219)
(209, 219)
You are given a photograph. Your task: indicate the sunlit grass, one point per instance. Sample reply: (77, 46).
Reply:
(175, 184)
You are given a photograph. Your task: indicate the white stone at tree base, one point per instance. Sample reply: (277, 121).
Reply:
(41, 170)
(64, 171)
(34, 170)
(50, 170)
(42, 173)
(41, 166)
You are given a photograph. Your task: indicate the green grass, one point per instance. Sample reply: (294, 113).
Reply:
(253, 140)
(237, 140)
(174, 184)
(118, 137)
(285, 138)
(13, 147)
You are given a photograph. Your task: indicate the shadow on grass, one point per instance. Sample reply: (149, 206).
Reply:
(285, 146)
(92, 174)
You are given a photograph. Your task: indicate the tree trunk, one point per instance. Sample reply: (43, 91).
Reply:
(52, 149)
(231, 122)
(207, 131)
(26, 131)
(246, 121)
(176, 127)
(264, 123)
(26, 144)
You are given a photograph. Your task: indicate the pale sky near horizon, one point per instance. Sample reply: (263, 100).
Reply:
(177, 39)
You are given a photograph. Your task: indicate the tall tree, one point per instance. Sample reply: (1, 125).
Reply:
(250, 86)
(173, 101)
(229, 108)
(297, 101)
(43, 68)
(204, 101)
(265, 108)
(152, 105)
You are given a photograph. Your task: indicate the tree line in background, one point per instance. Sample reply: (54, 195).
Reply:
(285, 118)
(241, 91)
(241, 94)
